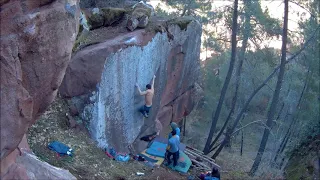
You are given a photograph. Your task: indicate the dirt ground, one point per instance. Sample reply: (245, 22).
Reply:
(89, 161)
(233, 165)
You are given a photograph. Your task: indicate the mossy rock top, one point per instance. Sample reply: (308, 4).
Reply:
(156, 25)
(112, 15)
(104, 16)
(161, 24)
(141, 11)
(182, 22)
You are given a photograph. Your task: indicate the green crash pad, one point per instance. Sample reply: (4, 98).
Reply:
(184, 163)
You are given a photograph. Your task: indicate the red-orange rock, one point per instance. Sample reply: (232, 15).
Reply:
(36, 43)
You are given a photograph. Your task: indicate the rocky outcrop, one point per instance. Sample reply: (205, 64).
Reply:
(29, 165)
(106, 3)
(100, 79)
(36, 43)
(140, 15)
(98, 17)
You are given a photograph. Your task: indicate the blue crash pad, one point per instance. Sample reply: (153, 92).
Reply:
(60, 148)
(184, 163)
(157, 149)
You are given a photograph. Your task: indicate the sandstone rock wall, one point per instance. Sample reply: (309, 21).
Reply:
(106, 3)
(36, 43)
(100, 79)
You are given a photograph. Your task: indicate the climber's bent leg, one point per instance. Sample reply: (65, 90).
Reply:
(142, 111)
(145, 110)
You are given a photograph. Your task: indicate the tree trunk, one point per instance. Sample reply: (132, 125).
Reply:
(227, 80)
(276, 94)
(245, 106)
(184, 10)
(206, 49)
(280, 112)
(225, 141)
(283, 142)
(287, 136)
(246, 33)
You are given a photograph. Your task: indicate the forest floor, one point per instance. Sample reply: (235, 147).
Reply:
(304, 162)
(89, 161)
(233, 165)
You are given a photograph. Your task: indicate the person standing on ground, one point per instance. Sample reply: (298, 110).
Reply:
(173, 149)
(148, 97)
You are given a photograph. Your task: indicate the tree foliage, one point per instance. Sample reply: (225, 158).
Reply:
(295, 118)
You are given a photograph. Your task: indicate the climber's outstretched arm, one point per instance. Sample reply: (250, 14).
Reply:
(154, 77)
(142, 93)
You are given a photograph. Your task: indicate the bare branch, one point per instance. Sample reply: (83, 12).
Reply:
(312, 15)
(253, 122)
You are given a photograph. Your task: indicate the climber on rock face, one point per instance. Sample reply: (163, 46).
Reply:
(148, 97)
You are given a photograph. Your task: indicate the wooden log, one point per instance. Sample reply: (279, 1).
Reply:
(206, 157)
(201, 156)
(188, 148)
(201, 169)
(193, 149)
(200, 164)
(193, 156)
(190, 155)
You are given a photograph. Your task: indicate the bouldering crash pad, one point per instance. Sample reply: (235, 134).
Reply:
(156, 160)
(182, 147)
(111, 152)
(159, 145)
(157, 149)
(60, 148)
(184, 163)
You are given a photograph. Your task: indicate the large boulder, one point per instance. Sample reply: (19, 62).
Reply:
(28, 166)
(106, 3)
(98, 17)
(36, 44)
(139, 17)
(101, 78)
